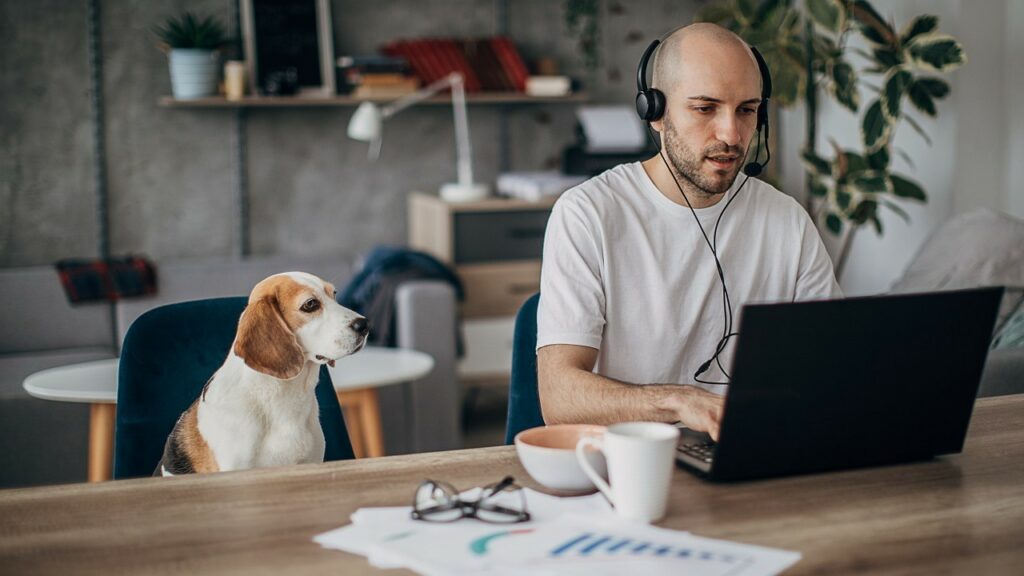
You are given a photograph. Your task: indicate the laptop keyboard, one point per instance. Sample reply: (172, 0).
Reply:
(705, 452)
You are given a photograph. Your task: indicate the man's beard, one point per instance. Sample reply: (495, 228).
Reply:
(687, 164)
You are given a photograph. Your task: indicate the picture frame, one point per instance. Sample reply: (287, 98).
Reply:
(289, 47)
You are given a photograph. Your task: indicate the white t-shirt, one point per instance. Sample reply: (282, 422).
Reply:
(627, 271)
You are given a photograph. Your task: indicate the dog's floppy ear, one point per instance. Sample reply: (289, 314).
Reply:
(265, 343)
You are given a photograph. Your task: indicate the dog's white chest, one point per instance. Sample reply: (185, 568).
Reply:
(265, 425)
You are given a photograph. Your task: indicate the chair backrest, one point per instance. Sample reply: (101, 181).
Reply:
(168, 355)
(523, 400)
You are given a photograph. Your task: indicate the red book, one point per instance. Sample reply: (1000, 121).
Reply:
(511, 61)
(457, 60)
(489, 58)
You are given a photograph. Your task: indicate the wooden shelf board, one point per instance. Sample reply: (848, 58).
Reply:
(310, 101)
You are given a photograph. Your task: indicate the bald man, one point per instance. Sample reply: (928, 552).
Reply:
(631, 301)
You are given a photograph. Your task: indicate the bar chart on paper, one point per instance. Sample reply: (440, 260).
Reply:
(575, 546)
(589, 544)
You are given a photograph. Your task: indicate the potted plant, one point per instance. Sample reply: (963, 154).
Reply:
(192, 44)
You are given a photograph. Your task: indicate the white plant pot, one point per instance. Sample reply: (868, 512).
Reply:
(194, 72)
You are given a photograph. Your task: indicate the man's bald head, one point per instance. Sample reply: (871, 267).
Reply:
(700, 45)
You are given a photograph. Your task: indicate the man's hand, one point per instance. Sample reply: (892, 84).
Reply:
(700, 410)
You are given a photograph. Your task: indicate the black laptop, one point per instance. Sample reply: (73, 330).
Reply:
(848, 383)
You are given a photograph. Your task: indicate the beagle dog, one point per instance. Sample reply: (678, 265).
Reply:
(259, 408)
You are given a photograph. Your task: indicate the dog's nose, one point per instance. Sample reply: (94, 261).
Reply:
(360, 326)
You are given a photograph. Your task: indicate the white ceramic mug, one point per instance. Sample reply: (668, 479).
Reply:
(641, 457)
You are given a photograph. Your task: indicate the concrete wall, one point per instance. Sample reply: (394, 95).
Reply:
(173, 172)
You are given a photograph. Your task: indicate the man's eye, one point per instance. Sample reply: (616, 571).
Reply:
(748, 110)
(311, 305)
(704, 109)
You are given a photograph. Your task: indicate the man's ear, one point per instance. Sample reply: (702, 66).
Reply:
(265, 343)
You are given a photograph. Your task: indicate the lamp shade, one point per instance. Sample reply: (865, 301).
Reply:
(366, 122)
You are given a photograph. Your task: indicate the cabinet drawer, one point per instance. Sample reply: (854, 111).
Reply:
(499, 236)
(498, 289)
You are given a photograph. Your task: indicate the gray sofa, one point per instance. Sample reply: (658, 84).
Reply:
(45, 442)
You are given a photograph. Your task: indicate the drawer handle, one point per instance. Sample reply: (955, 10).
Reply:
(525, 233)
(523, 288)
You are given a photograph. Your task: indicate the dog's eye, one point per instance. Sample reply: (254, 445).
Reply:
(311, 305)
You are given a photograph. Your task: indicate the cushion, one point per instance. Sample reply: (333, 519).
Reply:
(979, 248)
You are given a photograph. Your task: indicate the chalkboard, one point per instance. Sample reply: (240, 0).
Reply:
(288, 45)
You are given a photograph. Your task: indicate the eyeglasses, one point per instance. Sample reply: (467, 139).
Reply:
(500, 503)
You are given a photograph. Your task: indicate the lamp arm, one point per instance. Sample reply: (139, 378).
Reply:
(420, 95)
(463, 148)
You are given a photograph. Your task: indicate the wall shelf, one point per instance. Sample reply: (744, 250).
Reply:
(341, 101)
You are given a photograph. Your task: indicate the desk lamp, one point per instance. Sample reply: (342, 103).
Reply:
(367, 121)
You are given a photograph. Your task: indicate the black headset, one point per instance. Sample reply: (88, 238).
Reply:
(650, 106)
(650, 103)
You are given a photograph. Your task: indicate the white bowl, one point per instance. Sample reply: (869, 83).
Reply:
(549, 455)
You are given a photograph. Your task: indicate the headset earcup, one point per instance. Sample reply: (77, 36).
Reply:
(643, 105)
(658, 104)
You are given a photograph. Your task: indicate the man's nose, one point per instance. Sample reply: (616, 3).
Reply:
(727, 129)
(360, 326)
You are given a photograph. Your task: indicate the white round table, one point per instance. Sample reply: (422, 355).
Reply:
(355, 379)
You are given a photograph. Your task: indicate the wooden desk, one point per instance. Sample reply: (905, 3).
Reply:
(960, 514)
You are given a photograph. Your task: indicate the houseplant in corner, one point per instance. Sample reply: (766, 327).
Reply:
(192, 45)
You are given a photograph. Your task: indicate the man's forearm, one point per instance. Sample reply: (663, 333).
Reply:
(580, 396)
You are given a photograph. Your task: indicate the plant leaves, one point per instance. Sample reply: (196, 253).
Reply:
(871, 182)
(892, 92)
(937, 52)
(834, 224)
(923, 24)
(717, 12)
(747, 10)
(818, 188)
(887, 58)
(936, 87)
(877, 223)
(865, 210)
(917, 128)
(921, 99)
(879, 159)
(844, 81)
(873, 26)
(904, 188)
(875, 128)
(843, 198)
(826, 13)
(906, 157)
(854, 162)
(897, 209)
(816, 164)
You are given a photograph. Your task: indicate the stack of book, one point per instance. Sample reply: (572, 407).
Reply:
(375, 76)
(487, 64)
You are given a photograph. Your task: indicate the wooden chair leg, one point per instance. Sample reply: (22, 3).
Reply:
(373, 431)
(351, 404)
(101, 441)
